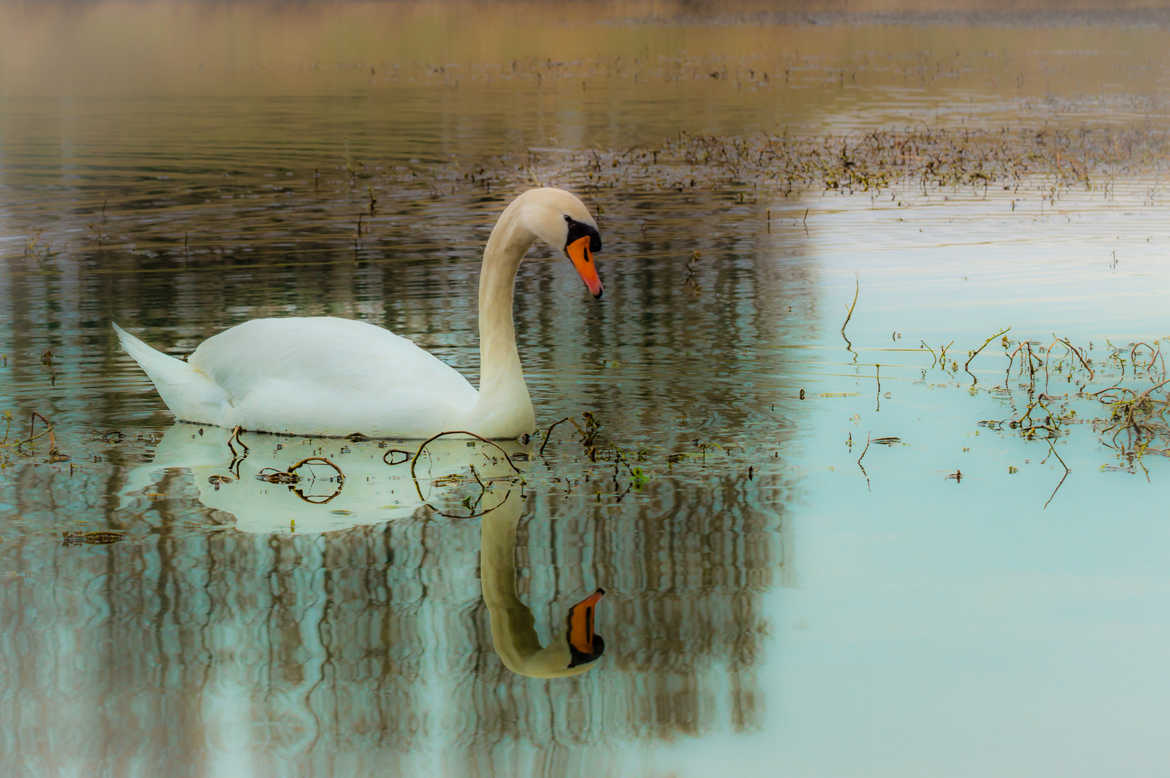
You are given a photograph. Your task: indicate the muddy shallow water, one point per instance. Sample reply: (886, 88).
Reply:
(952, 596)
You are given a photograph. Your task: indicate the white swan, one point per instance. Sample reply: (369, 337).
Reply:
(330, 376)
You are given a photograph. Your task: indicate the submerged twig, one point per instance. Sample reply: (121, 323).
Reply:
(406, 456)
(291, 479)
(428, 441)
(237, 458)
(861, 466)
(1054, 452)
(474, 514)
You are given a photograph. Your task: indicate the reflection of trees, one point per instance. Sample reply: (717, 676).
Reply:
(684, 571)
(664, 349)
(370, 642)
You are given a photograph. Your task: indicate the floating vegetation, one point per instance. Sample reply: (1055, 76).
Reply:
(451, 479)
(974, 353)
(299, 483)
(11, 449)
(899, 167)
(599, 448)
(93, 538)
(926, 157)
(1135, 400)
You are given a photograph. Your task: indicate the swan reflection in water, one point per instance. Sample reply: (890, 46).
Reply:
(280, 484)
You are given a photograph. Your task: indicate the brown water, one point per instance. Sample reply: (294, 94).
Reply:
(768, 600)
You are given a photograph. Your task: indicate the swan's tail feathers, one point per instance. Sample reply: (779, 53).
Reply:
(190, 394)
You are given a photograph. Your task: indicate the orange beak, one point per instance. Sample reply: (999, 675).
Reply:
(581, 620)
(582, 259)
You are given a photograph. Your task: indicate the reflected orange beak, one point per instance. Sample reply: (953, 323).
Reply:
(582, 259)
(581, 619)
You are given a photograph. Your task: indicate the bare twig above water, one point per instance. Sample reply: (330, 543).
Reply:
(933, 356)
(55, 454)
(849, 315)
(551, 427)
(972, 354)
(1070, 349)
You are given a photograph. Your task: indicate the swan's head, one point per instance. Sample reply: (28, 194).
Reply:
(563, 222)
(516, 643)
(585, 645)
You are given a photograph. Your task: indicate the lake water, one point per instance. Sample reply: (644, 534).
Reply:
(826, 552)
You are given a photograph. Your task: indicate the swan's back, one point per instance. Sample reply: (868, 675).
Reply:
(329, 376)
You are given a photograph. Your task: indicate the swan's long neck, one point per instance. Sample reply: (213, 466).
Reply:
(504, 408)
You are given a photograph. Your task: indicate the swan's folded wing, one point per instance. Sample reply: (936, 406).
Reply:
(324, 375)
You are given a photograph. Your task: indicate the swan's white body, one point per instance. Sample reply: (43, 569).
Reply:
(329, 376)
(310, 376)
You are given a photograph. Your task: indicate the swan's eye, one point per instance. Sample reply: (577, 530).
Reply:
(578, 230)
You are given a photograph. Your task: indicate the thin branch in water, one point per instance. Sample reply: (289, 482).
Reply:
(322, 460)
(877, 374)
(551, 427)
(942, 354)
(971, 355)
(433, 438)
(1077, 353)
(849, 315)
(933, 356)
(406, 455)
(290, 478)
(861, 466)
(237, 458)
(475, 515)
(1052, 450)
(54, 454)
(482, 491)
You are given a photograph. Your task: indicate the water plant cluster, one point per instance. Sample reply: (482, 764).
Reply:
(920, 158)
(1125, 386)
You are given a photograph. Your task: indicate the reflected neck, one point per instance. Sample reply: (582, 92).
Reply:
(513, 627)
(514, 635)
